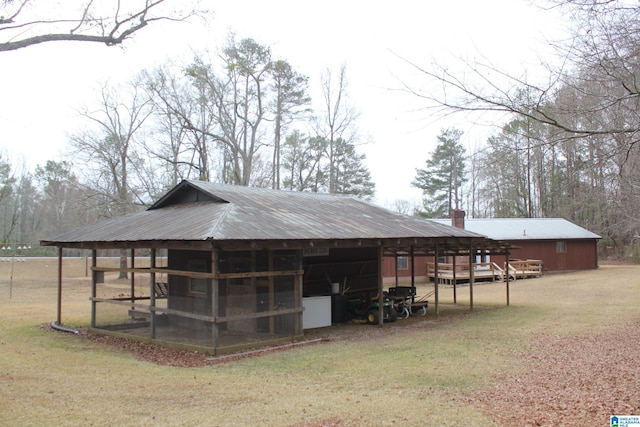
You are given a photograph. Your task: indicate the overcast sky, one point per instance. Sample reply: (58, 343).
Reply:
(43, 87)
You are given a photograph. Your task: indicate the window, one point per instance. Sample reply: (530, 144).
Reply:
(198, 286)
(561, 247)
(402, 262)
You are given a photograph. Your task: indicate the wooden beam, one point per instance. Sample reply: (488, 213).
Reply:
(200, 275)
(207, 318)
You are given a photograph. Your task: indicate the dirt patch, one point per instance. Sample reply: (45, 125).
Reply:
(577, 380)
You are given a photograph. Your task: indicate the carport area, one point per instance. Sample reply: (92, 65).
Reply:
(226, 267)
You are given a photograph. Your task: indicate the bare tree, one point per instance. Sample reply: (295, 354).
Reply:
(337, 118)
(108, 149)
(598, 65)
(186, 119)
(249, 65)
(585, 109)
(26, 23)
(229, 115)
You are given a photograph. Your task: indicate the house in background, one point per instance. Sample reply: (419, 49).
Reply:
(558, 243)
(229, 267)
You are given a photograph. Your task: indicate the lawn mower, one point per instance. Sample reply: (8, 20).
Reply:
(365, 307)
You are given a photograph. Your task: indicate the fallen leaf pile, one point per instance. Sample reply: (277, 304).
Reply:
(572, 381)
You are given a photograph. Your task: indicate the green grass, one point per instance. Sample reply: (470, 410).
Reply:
(407, 374)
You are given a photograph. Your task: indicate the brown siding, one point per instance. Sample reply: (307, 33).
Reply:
(579, 255)
(389, 268)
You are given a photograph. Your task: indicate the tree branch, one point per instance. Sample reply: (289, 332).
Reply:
(110, 29)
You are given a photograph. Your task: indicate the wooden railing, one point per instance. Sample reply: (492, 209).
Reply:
(522, 269)
(518, 269)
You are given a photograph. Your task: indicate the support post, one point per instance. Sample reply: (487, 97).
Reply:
(215, 298)
(297, 294)
(396, 268)
(152, 292)
(507, 281)
(272, 293)
(380, 287)
(413, 268)
(133, 282)
(471, 275)
(94, 261)
(436, 279)
(455, 280)
(59, 314)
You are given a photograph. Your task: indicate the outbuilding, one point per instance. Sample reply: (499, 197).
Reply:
(558, 243)
(231, 267)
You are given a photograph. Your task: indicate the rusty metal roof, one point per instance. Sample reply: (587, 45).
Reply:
(201, 211)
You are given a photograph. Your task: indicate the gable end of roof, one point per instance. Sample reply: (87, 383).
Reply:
(186, 192)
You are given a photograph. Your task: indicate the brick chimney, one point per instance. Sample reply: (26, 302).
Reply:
(457, 218)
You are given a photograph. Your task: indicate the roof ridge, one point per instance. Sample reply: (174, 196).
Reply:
(221, 218)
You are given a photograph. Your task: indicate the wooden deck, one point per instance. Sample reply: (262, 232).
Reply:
(524, 269)
(518, 269)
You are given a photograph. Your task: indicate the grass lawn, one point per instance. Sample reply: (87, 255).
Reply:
(413, 372)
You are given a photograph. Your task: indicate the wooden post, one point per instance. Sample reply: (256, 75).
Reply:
(94, 262)
(455, 280)
(435, 280)
(59, 317)
(272, 293)
(396, 268)
(471, 275)
(133, 282)
(380, 287)
(413, 268)
(152, 292)
(507, 282)
(297, 294)
(215, 297)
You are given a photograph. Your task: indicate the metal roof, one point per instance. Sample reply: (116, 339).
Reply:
(200, 211)
(511, 229)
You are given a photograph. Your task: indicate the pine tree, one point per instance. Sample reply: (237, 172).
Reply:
(442, 179)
